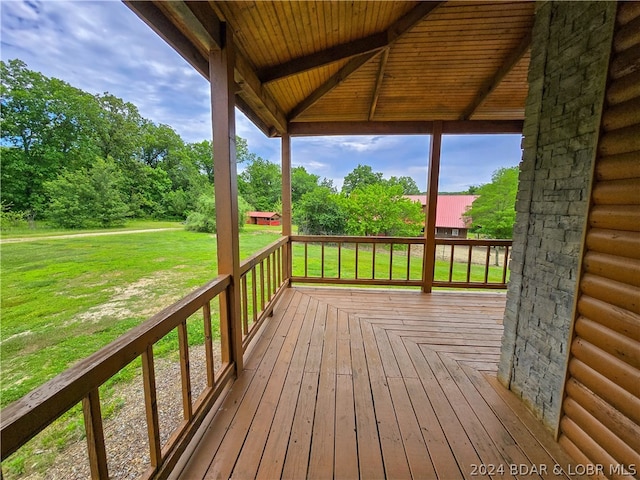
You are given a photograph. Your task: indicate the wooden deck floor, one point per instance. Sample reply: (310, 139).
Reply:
(374, 384)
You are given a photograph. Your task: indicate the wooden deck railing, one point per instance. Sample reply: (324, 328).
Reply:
(357, 260)
(262, 278)
(470, 259)
(397, 261)
(25, 418)
(392, 261)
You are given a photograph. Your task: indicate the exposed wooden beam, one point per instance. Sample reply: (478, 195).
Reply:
(492, 83)
(481, 126)
(256, 96)
(352, 65)
(208, 19)
(324, 57)
(300, 129)
(159, 23)
(376, 90)
(354, 48)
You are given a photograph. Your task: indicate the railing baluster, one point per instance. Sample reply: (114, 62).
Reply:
(505, 263)
(274, 271)
(391, 261)
(357, 245)
(306, 259)
(279, 267)
(254, 294)
(225, 328)
(451, 262)
(322, 261)
(208, 344)
(373, 262)
(151, 406)
(183, 342)
(95, 435)
(486, 264)
(469, 263)
(262, 285)
(269, 275)
(245, 306)
(340, 260)
(408, 261)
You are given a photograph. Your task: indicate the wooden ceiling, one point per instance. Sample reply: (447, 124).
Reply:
(313, 67)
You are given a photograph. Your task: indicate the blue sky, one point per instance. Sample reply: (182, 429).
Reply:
(103, 47)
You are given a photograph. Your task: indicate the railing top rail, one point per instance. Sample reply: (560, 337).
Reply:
(27, 416)
(256, 258)
(475, 242)
(348, 239)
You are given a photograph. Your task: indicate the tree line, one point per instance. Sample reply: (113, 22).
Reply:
(79, 160)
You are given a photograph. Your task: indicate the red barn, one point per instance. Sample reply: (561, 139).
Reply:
(263, 218)
(450, 222)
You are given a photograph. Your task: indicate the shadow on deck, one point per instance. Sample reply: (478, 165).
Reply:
(371, 384)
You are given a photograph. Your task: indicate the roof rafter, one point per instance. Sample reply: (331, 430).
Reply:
(376, 90)
(352, 65)
(492, 83)
(354, 48)
(393, 33)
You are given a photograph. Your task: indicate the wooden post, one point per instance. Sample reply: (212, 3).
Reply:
(95, 435)
(429, 258)
(221, 67)
(286, 202)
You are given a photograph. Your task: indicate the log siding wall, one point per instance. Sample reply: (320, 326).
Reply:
(601, 409)
(567, 78)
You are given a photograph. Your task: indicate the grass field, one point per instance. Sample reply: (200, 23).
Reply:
(63, 299)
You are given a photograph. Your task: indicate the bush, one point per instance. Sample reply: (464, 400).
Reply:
(12, 219)
(203, 219)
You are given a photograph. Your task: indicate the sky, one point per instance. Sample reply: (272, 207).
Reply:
(104, 47)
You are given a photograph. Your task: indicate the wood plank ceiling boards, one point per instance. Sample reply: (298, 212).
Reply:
(303, 66)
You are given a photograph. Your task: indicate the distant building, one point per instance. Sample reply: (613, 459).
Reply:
(263, 218)
(450, 222)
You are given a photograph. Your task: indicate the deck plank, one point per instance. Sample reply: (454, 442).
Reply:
(276, 447)
(348, 383)
(369, 452)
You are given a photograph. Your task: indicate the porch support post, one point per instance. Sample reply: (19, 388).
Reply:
(221, 68)
(286, 202)
(429, 258)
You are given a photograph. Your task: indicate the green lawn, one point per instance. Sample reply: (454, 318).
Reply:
(63, 299)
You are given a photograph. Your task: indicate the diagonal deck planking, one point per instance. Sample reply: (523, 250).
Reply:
(373, 384)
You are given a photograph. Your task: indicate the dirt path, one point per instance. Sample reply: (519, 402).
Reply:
(78, 235)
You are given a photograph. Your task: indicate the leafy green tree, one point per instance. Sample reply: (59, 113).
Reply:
(379, 209)
(157, 143)
(361, 176)
(408, 184)
(88, 197)
(261, 184)
(321, 212)
(493, 213)
(302, 182)
(201, 155)
(118, 128)
(45, 128)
